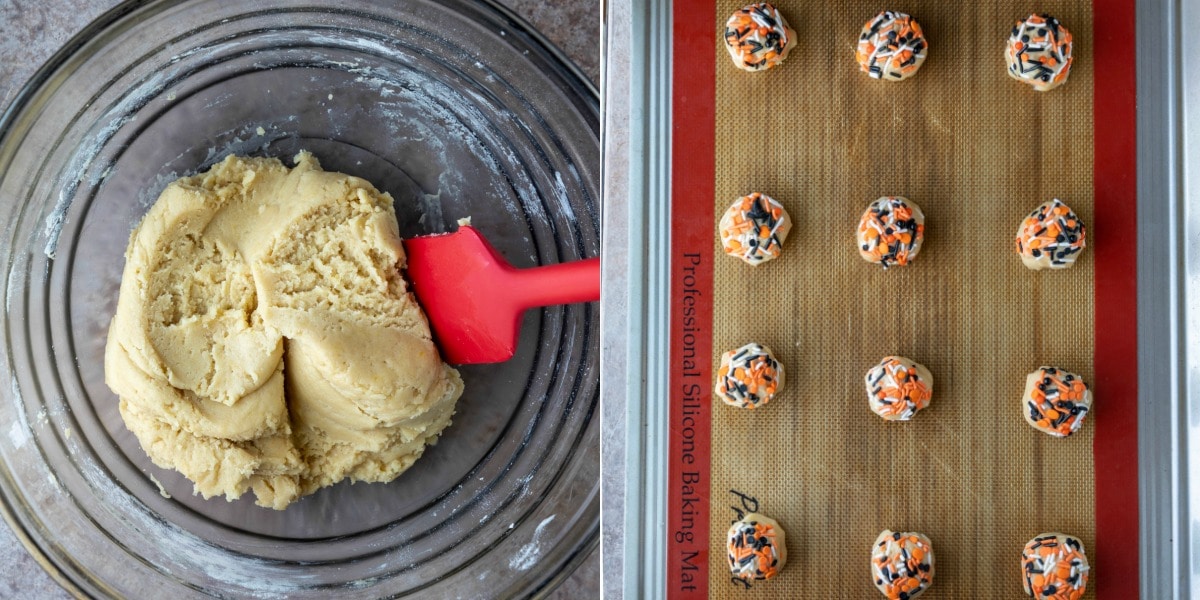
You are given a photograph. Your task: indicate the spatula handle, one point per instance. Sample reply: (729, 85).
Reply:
(565, 283)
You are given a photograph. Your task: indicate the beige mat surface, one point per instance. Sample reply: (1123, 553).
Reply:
(977, 151)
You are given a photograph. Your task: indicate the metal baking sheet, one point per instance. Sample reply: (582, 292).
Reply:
(1168, 262)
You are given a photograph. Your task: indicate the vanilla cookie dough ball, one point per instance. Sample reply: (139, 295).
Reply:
(1055, 567)
(756, 548)
(898, 387)
(1051, 237)
(1055, 401)
(902, 564)
(754, 228)
(749, 377)
(891, 47)
(758, 37)
(1039, 52)
(891, 231)
(265, 338)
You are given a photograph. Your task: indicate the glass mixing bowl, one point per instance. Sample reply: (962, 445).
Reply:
(457, 109)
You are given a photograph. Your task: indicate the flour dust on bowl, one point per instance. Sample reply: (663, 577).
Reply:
(456, 109)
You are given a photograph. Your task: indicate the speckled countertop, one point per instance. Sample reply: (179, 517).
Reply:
(32, 30)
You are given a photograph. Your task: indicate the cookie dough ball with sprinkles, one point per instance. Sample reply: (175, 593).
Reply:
(1051, 237)
(898, 387)
(1054, 567)
(749, 377)
(891, 231)
(891, 47)
(754, 228)
(1039, 52)
(758, 37)
(1055, 401)
(902, 564)
(756, 548)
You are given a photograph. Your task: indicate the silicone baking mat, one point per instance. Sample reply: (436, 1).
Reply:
(977, 151)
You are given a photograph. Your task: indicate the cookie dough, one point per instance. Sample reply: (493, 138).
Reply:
(898, 387)
(749, 377)
(756, 547)
(1039, 52)
(1051, 237)
(754, 228)
(891, 47)
(902, 564)
(758, 37)
(1054, 567)
(265, 340)
(891, 231)
(1055, 401)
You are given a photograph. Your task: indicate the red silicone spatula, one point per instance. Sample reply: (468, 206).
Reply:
(474, 299)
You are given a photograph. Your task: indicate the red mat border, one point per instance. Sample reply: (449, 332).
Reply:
(1114, 228)
(1115, 360)
(693, 174)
